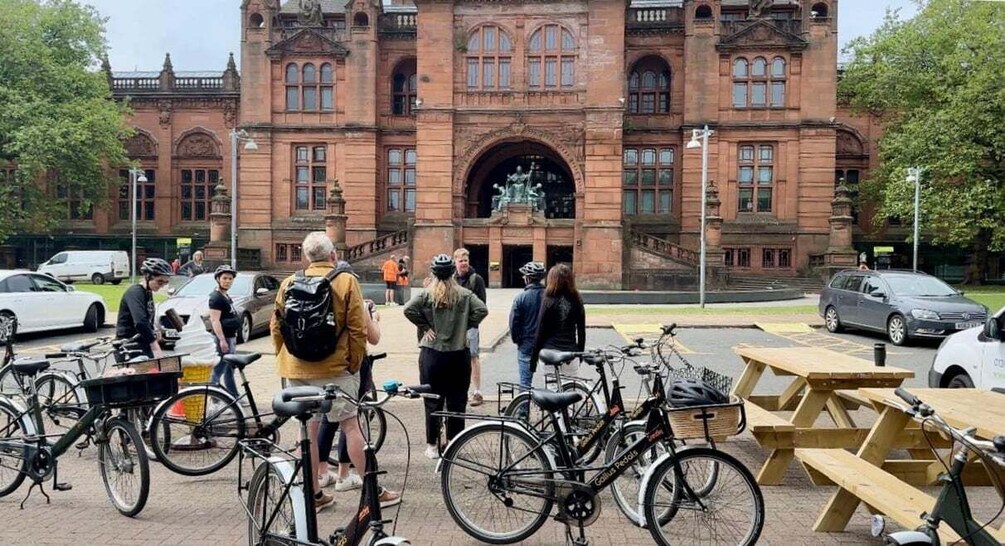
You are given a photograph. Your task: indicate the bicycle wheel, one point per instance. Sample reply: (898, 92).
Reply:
(13, 464)
(265, 500)
(374, 425)
(59, 401)
(487, 501)
(731, 512)
(522, 406)
(625, 488)
(124, 468)
(196, 431)
(9, 385)
(583, 417)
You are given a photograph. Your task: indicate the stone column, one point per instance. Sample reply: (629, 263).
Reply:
(218, 249)
(335, 219)
(714, 268)
(840, 254)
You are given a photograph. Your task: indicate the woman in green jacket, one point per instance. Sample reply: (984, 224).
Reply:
(443, 313)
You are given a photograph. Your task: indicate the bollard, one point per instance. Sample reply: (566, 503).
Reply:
(879, 354)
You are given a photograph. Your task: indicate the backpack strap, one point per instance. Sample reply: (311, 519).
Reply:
(331, 276)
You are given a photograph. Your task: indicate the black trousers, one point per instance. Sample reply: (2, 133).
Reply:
(449, 375)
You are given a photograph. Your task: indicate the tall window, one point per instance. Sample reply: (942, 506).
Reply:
(145, 193)
(736, 257)
(196, 191)
(776, 258)
(649, 87)
(401, 180)
(309, 88)
(758, 84)
(288, 252)
(73, 198)
(647, 180)
(403, 87)
(489, 58)
(756, 177)
(310, 170)
(551, 58)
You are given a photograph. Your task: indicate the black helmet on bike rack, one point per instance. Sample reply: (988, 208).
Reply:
(224, 269)
(694, 392)
(442, 266)
(533, 270)
(156, 267)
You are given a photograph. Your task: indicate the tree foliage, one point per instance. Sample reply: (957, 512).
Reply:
(57, 120)
(938, 81)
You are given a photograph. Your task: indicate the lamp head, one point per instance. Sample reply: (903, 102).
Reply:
(251, 146)
(694, 143)
(141, 178)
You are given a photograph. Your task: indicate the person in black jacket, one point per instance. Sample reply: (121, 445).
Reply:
(468, 278)
(136, 309)
(562, 321)
(225, 322)
(524, 316)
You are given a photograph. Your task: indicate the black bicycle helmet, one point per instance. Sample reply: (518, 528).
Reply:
(533, 270)
(224, 269)
(694, 392)
(442, 266)
(156, 267)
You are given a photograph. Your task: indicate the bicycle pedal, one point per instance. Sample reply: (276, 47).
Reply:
(62, 486)
(82, 445)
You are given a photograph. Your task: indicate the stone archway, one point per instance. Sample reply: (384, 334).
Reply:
(545, 166)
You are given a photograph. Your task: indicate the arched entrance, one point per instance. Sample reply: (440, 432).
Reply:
(545, 166)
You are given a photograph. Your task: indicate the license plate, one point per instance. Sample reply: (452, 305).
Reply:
(965, 325)
(170, 332)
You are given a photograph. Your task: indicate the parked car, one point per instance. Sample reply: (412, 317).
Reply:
(972, 358)
(97, 266)
(40, 303)
(254, 296)
(902, 304)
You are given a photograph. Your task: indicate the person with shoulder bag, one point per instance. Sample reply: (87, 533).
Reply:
(225, 322)
(444, 313)
(319, 333)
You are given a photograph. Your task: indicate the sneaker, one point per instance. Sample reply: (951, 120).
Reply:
(476, 399)
(323, 500)
(328, 479)
(432, 453)
(389, 498)
(351, 481)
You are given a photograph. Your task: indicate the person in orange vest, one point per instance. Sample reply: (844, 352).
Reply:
(390, 273)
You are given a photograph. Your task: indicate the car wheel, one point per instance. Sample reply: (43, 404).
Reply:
(94, 318)
(961, 381)
(98, 278)
(831, 320)
(896, 330)
(245, 333)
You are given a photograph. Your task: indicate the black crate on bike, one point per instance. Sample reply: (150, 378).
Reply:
(142, 389)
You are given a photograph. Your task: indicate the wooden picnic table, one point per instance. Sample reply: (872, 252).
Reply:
(818, 375)
(888, 486)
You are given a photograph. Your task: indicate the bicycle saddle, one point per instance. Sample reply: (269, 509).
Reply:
(555, 358)
(30, 365)
(239, 361)
(286, 404)
(78, 346)
(554, 401)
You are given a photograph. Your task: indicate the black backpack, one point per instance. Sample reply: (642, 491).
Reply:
(308, 323)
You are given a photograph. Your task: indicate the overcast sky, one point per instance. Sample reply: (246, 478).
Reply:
(200, 33)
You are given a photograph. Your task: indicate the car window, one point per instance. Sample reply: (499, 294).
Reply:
(58, 258)
(47, 284)
(853, 283)
(838, 281)
(18, 283)
(259, 283)
(871, 285)
(909, 284)
(271, 283)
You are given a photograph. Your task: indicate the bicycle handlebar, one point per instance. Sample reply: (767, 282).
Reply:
(922, 412)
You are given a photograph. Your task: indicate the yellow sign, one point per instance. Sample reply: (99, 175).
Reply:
(882, 250)
(183, 241)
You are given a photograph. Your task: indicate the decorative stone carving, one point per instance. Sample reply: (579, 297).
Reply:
(230, 114)
(761, 34)
(198, 145)
(308, 41)
(310, 14)
(165, 108)
(140, 145)
(758, 8)
(848, 144)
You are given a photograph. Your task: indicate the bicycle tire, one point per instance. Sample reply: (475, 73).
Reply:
(535, 418)
(698, 458)
(120, 433)
(539, 422)
(210, 419)
(264, 494)
(11, 426)
(509, 435)
(55, 392)
(377, 422)
(9, 384)
(625, 488)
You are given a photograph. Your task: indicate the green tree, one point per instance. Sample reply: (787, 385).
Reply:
(938, 81)
(57, 119)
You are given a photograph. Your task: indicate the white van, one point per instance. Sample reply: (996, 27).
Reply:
(972, 358)
(97, 266)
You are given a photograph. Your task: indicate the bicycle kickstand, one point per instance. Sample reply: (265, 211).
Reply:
(579, 541)
(33, 486)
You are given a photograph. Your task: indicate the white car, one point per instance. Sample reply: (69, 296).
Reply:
(972, 358)
(39, 303)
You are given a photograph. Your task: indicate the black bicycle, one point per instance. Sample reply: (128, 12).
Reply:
(26, 449)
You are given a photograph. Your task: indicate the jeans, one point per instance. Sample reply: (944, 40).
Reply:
(523, 363)
(223, 371)
(449, 375)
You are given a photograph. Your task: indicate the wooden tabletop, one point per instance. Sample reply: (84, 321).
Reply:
(815, 363)
(961, 408)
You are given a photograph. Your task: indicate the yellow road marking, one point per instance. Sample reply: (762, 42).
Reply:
(785, 327)
(803, 334)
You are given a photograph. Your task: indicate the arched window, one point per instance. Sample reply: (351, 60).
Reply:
(256, 21)
(360, 19)
(308, 90)
(403, 88)
(489, 55)
(649, 87)
(551, 58)
(703, 12)
(819, 10)
(759, 87)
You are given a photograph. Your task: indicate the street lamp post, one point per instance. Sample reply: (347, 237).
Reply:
(236, 136)
(704, 133)
(914, 175)
(135, 176)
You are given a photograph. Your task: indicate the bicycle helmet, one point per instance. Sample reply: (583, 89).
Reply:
(156, 267)
(224, 269)
(694, 392)
(533, 270)
(442, 266)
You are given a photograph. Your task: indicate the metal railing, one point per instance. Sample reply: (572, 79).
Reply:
(376, 246)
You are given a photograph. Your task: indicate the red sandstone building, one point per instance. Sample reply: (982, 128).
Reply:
(419, 109)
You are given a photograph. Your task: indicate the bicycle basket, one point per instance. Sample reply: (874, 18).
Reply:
(710, 422)
(716, 380)
(141, 389)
